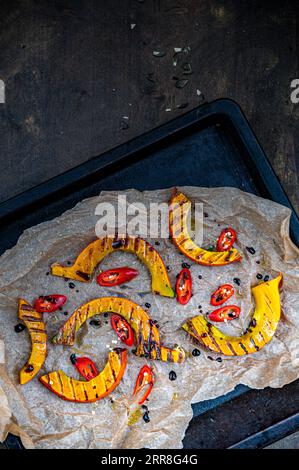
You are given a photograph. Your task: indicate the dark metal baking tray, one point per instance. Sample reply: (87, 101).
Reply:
(210, 146)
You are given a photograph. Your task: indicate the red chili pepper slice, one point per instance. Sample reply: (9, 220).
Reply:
(222, 294)
(84, 366)
(145, 379)
(123, 330)
(226, 239)
(230, 312)
(117, 276)
(183, 286)
(49, 303)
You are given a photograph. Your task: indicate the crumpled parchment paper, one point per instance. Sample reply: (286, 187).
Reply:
(45, 421)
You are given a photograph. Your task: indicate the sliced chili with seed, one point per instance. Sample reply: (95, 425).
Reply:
(230, 312)
(49, 303)
(222, 294)
(183, 287)
(123, 330)
(145, 380)
(226, 239)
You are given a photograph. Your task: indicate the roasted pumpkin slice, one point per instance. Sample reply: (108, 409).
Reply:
(147, 337)
(179, 208)
(260, 331)
(36, 327)
(99, 387)
(93, 254)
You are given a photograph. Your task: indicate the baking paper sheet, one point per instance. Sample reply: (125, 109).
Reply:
(45, 421)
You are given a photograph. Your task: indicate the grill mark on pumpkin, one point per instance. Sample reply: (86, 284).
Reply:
(252, 342)
(230, 347)
(73, 389)
(30, 318)
(60, 382)
(27, 307)
(243, 347)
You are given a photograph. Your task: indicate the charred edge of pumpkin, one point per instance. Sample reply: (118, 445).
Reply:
(38, 355)
(238, 346)
(160, 280)
(92, 384)
(205, 252)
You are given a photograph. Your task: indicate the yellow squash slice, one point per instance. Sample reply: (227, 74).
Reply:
(179, 209)
(146, 333)
(80, 391)
(93, 254)
(261, 329)
(36, 327)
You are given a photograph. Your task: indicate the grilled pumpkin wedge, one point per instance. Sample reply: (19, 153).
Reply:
(261, 329)
(93, 254)
(147, 335)
(36, 327)
(179, 208)
(80, 391)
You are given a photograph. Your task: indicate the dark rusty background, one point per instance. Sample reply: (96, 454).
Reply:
(74, 69)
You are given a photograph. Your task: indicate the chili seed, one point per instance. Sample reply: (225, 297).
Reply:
(146, 417)
(71, 285)
(147, 305)
(172, 375)
(266, 278)
(19, 327)
(237, 281)
(185, 265)
(259, 276)
(250, 250)
(196, 352)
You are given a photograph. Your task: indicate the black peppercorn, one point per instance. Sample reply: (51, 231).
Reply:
(19, 327)
(95, 323)
(259, 276)
(200, 276)
(147, 305)
(196, 352)
(172, 375)
(71, 285)
(29, 368)
(237, 281)
(185, 265)
(219, 359)
(146, 417)
(250, 250)
(266, 278)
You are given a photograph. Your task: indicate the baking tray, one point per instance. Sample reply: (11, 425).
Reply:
(212, 145)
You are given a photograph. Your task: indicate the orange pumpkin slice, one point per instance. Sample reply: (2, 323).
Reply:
(179, 209)
(146, 333)
(260, 331)
(96, 251)
(36, 327)
(95, 389)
